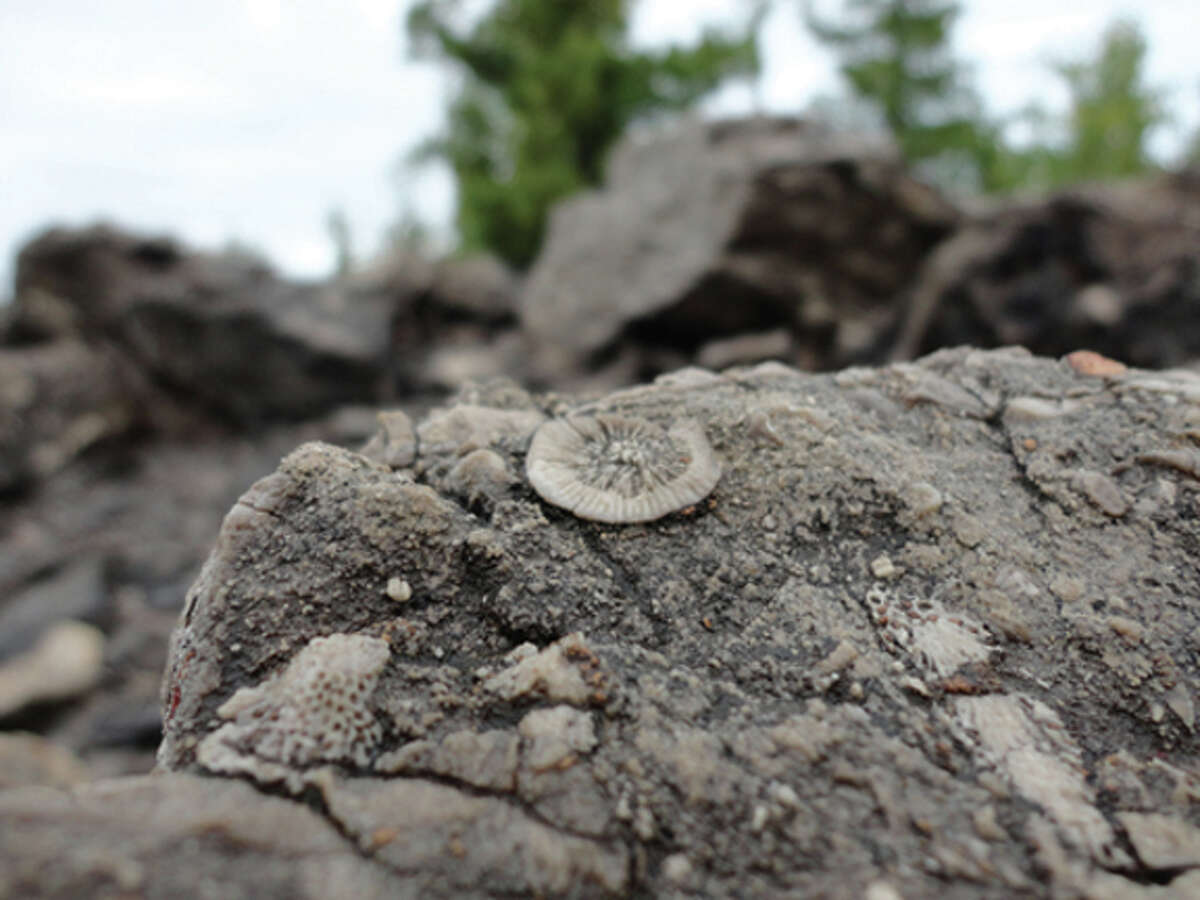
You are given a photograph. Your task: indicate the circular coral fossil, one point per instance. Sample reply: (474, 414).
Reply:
(618, 469)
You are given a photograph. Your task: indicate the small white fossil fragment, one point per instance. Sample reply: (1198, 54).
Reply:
(315, 711)
(612, 468)
(883, 567)
(677, 868)
(922, 498)
(399, 589)
(1035, 409)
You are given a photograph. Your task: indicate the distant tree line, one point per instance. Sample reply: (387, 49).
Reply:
(547, 86)
(896, 57)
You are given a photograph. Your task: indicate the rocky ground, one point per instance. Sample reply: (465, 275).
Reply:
(933, 632)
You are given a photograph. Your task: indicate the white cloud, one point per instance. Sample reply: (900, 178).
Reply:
(264, 15)
(140, 90)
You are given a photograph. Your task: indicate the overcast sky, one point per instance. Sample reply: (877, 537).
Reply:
(250, 120)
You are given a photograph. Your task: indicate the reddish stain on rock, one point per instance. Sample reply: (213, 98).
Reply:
(1088, 362)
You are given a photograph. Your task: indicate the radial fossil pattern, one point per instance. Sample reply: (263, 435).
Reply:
(612, 468)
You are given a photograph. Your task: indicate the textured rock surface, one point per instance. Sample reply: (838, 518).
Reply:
(729, 229)
(114, 540)
(179, 836)
(933, 635)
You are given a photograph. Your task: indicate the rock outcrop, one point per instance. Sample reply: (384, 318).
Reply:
(219, 330)
(726, 243)
(929, 636)
(731, 229)
(57, 400)
(1112, 267)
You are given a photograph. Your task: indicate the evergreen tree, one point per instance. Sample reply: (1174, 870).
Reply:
(547, 87)
(1103, 133)
(1112, 110)
(895, 55)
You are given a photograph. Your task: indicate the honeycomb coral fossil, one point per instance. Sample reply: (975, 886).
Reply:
(315, 711)
(619, 469)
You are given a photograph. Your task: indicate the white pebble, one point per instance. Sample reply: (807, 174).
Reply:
(399, 590)
(882, 566)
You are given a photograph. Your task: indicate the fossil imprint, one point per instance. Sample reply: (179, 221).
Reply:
(620, 469)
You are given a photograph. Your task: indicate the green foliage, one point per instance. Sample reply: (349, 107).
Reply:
(1104, 132)
(547, 87)
(895, 55)
(1112, 110)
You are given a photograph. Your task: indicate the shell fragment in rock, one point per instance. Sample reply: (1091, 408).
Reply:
(621, 469)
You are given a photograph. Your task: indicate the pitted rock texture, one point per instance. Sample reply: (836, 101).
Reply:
(932, 635)
(316, 711)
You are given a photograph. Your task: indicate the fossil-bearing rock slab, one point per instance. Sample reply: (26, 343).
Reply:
(933, 634)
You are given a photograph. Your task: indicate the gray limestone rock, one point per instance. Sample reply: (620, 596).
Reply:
(477, 288)
(903, 649)
(731, 229)
(220, 331)
(57, 400)
(177, 836)
(65, 662)
(27, 759)
(1109, 266)
(75, 592)
(927, 635)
